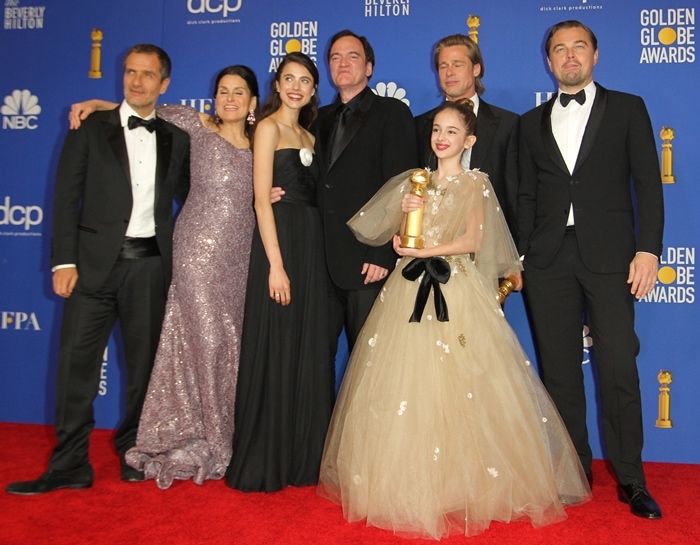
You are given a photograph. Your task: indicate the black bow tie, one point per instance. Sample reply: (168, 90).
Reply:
(579, 97)
(148, 124)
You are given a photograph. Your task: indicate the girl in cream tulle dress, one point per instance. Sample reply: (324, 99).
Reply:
(441, 424)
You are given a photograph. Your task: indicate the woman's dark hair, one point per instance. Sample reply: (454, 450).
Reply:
(251, 81)
(465, 109)
(308, 113)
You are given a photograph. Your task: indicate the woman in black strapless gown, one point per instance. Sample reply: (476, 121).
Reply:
(286, 376)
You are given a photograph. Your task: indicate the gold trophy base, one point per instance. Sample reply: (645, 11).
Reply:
(668, 179)
(414, 243)
(664, 423)
(95, 74)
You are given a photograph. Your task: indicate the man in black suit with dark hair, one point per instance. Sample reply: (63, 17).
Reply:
(362, 140)
(460, 67)
(112, 258)
(591, 245)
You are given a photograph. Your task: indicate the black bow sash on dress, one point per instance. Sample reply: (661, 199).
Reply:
(437, 271)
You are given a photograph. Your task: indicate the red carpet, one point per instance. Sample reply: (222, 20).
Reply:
(113, 512)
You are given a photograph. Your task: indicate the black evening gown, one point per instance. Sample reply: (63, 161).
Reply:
(285, 381)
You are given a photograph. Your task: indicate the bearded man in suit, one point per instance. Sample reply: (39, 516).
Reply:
(112, 258)
(460, 68)
(591, 244)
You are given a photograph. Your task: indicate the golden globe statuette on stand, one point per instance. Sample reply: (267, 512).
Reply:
(96, 55)
(505, 288)
(667, 134)
(474, 22)
(414, 220)
(664, 421)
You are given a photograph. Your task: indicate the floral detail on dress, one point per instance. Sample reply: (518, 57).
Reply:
(462, 340)
(369, 363)
(487, 192)
(306, 156)
(402, 408)
(436, 451)
(357, 480)
(544, 419)
(469, 395)
(373, 341)
(527, 362)
(381, 294)
(444, 346)
(429, 317)
(459, 264)
(492, 471)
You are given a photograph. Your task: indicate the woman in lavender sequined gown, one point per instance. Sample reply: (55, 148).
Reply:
(286, 376)
(187, 420)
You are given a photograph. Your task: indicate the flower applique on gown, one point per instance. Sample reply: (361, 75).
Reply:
(187, 419)
(286, 377)
(441, 427)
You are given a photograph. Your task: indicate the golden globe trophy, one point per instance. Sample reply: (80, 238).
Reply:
(664, 421)
(414, 220)
(96, 55)
(667, 134)
(505, 288)
(474, 22)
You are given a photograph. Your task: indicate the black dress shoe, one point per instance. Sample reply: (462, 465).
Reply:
(131, 475)
(54, 479)
(641, 502)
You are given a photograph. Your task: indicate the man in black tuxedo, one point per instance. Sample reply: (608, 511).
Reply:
(586, 250)
(112, 258)
(362, 140)
(460, 67)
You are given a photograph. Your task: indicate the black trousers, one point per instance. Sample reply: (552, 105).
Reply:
(557, 297)
(349, 309)
(135, 294)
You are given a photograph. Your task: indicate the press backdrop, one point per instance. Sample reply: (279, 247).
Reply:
(46, 53)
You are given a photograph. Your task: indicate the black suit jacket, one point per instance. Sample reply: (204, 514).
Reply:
(618, 145)
(495, 151)
(93, 198)
(379, 142)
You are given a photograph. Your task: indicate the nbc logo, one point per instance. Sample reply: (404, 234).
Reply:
(391, 90)
(20, 110)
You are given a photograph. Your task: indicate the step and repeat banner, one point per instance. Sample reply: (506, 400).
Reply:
(56, 52)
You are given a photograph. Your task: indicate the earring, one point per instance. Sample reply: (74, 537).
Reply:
(216, 117)
(251, 117)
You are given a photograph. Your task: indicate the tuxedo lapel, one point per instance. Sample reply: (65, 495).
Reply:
(595, 121)
(353, 125)
(550, 144)
(115, 136)
(486, 125)
(164, 139)
(325, 131)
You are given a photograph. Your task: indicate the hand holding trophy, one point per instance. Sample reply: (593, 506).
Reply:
(414, 220)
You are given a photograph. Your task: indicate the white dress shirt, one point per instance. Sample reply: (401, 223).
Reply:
(568, 126)
(141, 148)
(466, 158)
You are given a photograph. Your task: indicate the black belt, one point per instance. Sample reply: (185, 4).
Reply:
(136, 248)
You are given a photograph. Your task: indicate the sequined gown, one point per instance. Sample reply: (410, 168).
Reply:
(286, 377)
(441, 427)
(187, 420)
